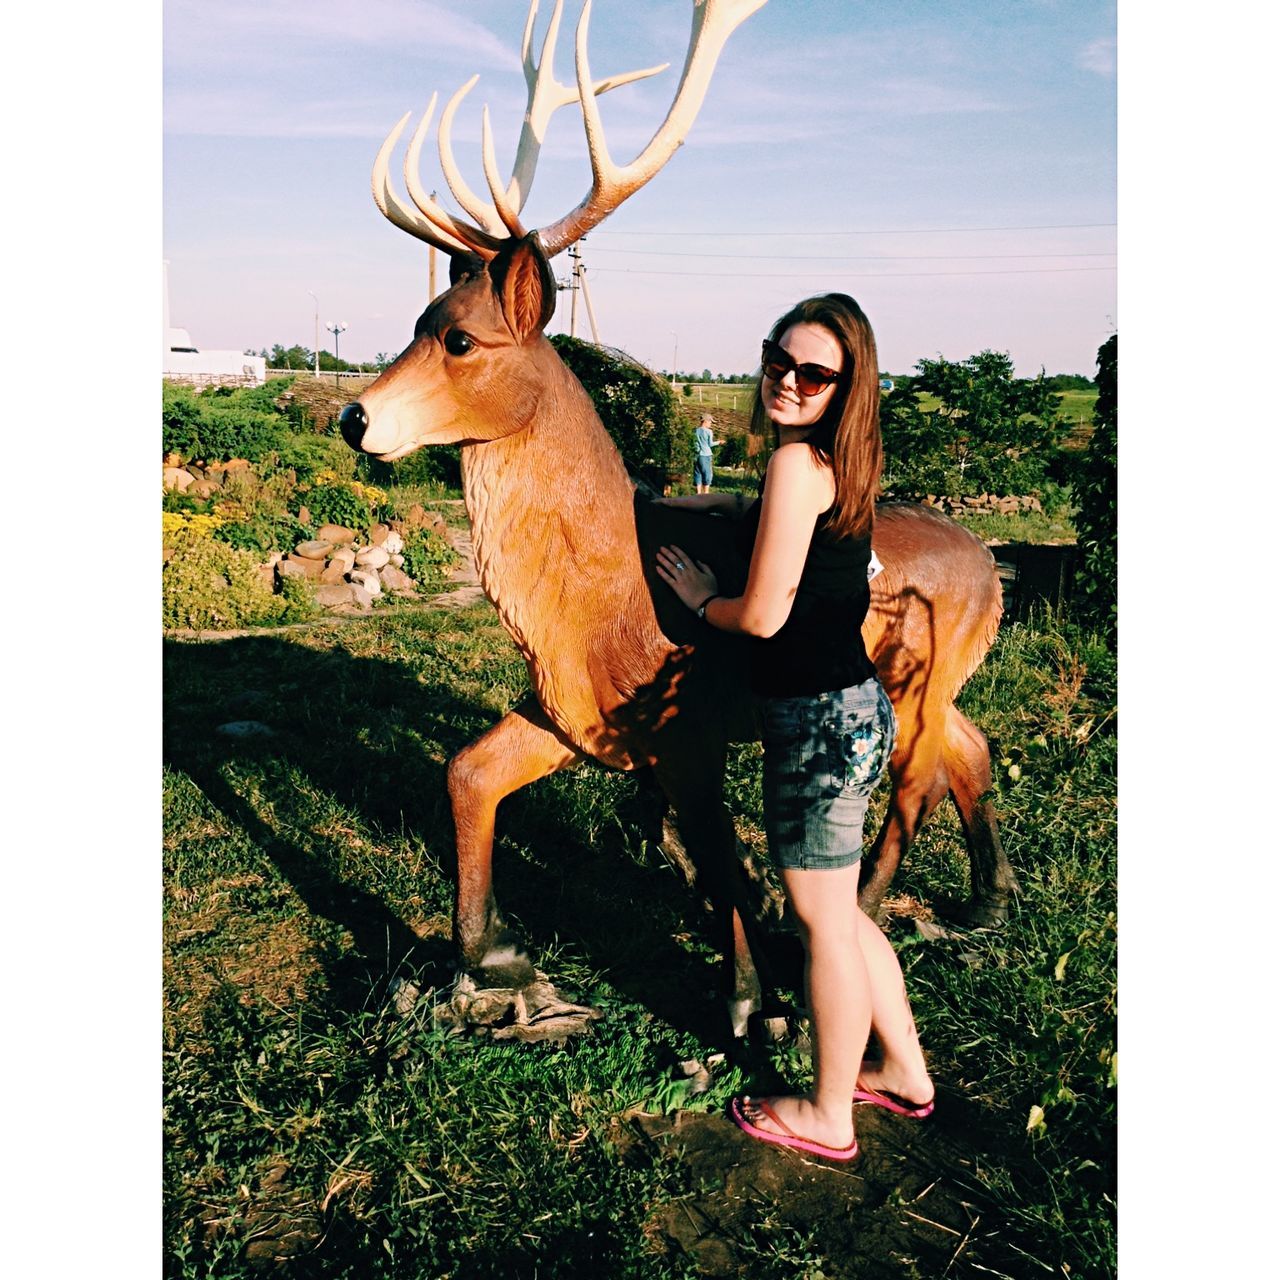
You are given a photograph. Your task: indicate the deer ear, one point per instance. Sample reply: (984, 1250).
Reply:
(525, 287)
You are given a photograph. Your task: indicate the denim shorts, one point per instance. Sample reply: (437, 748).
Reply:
(702, 468)
(823, 755)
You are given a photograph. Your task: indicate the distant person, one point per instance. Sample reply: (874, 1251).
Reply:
(702, 445)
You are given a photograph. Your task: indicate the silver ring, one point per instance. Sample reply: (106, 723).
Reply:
(680, 565)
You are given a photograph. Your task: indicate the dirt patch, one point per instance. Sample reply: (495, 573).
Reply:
(906, 1207)
(273, 961)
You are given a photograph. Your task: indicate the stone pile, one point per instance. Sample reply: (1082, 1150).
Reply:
(347, 570)
(984, 502)
(197, 480)
(347, 567)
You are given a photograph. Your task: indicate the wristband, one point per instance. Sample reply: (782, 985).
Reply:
(701, 610)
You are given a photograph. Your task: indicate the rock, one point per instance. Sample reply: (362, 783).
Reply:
(372, 557)
(417, 517)
(304, 516)
(316, 549)
(290, 569)
(344, 556)
(274, 559)
(331, 594)
(393, 544)
(398, 561)
(378, 534)
(335, 534)
(367, 579)
(205, 488)
(311, 568)
(334, 572)
(361, 597)
(930, 931)
(245, 729)
(395, 580)
(175, 460)
(267, 572)
(236, 464)
(178, 478)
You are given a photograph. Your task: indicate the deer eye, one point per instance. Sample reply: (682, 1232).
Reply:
(457, 343)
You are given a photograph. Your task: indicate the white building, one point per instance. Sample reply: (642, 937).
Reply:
(182, 362)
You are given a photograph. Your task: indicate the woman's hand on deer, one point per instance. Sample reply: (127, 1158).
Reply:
(690, 579)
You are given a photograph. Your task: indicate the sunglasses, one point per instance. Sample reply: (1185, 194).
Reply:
(811, 379)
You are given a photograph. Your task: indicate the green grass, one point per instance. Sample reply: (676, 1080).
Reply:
(304, 1123)
(1022, 526)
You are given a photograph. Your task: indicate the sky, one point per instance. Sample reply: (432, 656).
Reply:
(952, 165)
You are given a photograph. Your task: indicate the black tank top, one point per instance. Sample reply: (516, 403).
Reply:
(819, 648)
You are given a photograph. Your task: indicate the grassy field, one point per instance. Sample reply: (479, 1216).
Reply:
(311, 1132)
(1077, 406)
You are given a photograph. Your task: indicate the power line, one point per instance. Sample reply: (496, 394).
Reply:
(896, 257)
(854, 275)
(883, 231)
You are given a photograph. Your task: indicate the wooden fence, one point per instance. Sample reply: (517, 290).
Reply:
(1033, 574)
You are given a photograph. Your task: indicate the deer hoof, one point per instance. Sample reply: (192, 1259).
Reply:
(977, 913)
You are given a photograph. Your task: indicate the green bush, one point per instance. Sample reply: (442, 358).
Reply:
(438, 464)
(987, 432)
(733, 453)
(263, 533)
(308, 454)
(210, 585)
(335, 504)
(220, 424)
(636, 407)
(1095, 485)
(428, 558)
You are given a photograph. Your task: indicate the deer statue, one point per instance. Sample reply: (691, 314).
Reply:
(564, 547)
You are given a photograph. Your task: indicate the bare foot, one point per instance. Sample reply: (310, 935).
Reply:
(889, 1078)
(804, 1120)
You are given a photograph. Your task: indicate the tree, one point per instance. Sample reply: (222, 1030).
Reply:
(1094, 482)
(636, 407)
(984, 431)
(294, 357)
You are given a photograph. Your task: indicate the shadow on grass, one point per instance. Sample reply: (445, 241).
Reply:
(371, 736)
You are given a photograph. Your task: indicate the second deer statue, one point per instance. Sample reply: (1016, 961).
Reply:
(620, 672)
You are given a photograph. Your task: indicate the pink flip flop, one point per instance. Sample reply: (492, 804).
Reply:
(786, 1138)
(892, 1102)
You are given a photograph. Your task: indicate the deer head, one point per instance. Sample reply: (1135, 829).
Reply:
(477, 363)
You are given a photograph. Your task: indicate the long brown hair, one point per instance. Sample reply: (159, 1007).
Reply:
(847, 436)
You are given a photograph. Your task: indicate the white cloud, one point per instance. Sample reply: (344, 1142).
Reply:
(1098, 56)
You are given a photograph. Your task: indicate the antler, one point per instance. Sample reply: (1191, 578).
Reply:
(500, 219)
(713, 22)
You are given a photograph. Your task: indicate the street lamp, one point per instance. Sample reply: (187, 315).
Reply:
(317, 302)
(675, 353)
(336, 327)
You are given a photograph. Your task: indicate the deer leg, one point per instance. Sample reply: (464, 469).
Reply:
(519, 749)
(992, 881)
(919, 783)
(707, 831)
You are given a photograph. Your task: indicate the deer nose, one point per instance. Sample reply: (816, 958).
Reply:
(353, 422)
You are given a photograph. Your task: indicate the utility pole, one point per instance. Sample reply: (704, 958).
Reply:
(317, 346)
(573, 290)
(578, 281)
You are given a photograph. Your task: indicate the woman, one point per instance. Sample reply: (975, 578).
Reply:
(828, 726)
